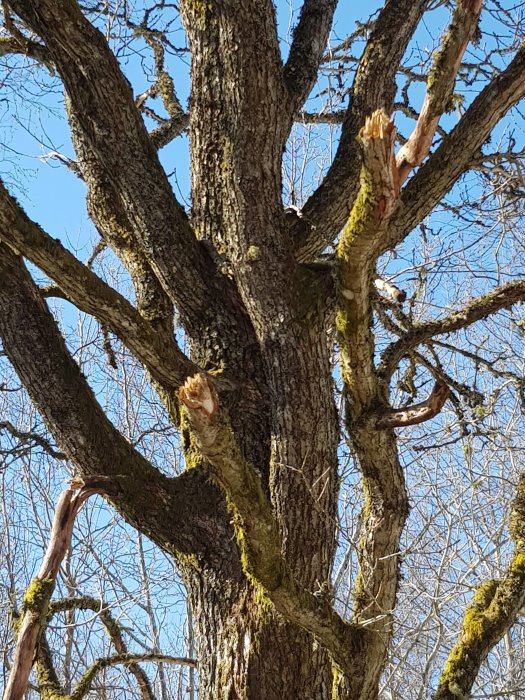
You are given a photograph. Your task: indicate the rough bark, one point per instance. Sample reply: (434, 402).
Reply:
(263, 454)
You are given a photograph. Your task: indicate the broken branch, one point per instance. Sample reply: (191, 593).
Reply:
(40, 590)
(418, 413)
(440, 85)
(256, 529)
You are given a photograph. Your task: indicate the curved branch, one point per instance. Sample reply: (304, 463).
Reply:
(85, 683)
(306, 52)
(32, 437)
(418, 413)
(500, 298)
(114, 631)
(257, 532)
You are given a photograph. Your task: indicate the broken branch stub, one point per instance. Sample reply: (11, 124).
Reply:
(418, 413)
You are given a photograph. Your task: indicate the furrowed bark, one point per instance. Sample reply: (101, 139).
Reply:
(490, 615)
(182, 515)
(309, 41)
(99, 97)
(36, 600)
(328, 209)
(440, 85)
(159, 354)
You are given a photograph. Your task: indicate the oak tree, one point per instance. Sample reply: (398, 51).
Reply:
(265, 294)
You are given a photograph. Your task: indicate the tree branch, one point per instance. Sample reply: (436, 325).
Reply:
(32, 437)
(454, 156)
(327, 210)
(98, 98)
(440, 85)
(418, 413)
(256, 529)
(377, 198)
(477, 309)
(493, 610)
(85, 683)
(182, 515)
(38, 595)
(308, 44)
(159, 354)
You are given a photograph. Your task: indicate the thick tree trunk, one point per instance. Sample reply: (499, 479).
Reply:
(246, 651)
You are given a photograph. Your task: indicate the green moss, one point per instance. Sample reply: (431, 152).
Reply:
(336, 679)
(517, 565)
(36, 598)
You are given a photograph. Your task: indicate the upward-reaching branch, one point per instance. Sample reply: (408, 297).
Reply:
(326, 212)
(440, 85)
(112, 143)
(158, 353)
(178, 510)
(457, 150)
(308, 44)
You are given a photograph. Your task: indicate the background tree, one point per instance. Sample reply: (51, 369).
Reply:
(263, 292)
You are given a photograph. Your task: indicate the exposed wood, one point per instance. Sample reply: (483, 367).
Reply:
(37, 597)
(440, 85)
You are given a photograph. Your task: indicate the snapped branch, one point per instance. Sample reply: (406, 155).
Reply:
(457, 150)
(36, 600)
(327, 210)
(440, 85)
(256, 529)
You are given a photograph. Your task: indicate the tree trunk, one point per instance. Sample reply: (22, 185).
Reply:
(247, 652)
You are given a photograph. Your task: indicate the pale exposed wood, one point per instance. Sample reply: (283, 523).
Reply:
(34, 609)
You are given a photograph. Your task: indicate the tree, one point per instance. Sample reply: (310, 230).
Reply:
(263, 293)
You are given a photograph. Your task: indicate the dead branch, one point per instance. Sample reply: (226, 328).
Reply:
(37, 597)
(440, 85)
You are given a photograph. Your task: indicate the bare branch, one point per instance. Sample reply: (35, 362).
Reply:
(440, 85)
(456, 152)
(500, 298)
(38, 595)
(32, 437)
(159, 354)
(326, 212)
(306, 52)
(85, 683)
